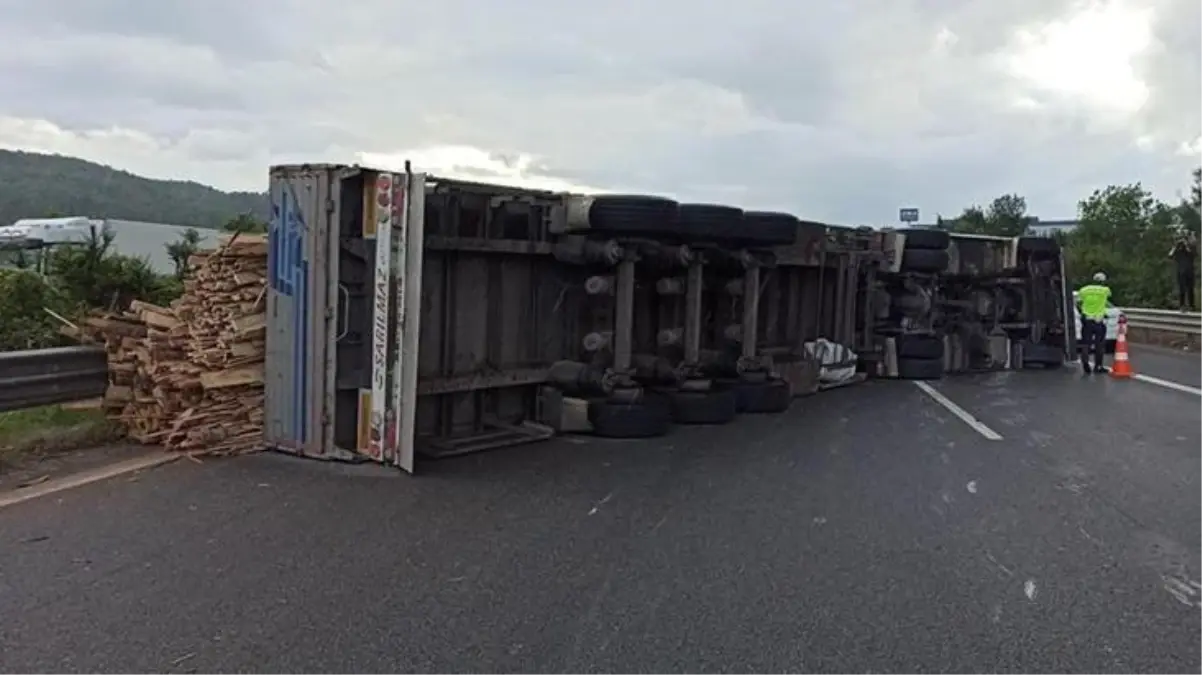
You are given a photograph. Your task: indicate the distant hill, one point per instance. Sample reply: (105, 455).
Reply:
(34, 186)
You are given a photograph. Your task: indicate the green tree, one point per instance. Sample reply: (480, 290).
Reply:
(245, 223)
(1008, 216)
(182, 249)
(1005, 216)
(971, 221)
(1190, 208)
(1126, 233)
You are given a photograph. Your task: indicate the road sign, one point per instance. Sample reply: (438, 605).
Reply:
(908, 215)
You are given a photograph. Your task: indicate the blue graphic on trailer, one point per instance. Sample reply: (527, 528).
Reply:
(288, 275)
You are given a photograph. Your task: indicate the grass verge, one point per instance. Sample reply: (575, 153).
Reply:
(35, 432)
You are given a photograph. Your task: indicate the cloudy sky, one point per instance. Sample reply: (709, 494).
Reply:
(843, 111)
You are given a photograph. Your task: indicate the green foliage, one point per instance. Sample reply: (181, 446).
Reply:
(75, 279)
(34, 185)
(94, 276)
(245, 223)
(25, 434)
(1126, 233)
(24, 321)
(1006, 216)
(181, 250)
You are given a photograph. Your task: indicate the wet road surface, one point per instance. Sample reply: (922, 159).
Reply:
(1168, 364)
(867, 529)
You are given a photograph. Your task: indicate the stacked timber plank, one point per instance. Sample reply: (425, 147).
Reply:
(190, 376)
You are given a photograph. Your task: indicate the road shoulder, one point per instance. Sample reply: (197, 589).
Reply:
(48, 474)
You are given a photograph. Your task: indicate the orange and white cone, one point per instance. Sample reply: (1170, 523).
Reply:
(1122, 360)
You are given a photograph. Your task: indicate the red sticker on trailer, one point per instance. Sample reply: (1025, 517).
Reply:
(398, 201)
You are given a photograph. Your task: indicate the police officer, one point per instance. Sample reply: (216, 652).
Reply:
(1094, 299)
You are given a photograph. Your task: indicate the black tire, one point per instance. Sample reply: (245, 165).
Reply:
(634, 214)
(769, 227)
(923, 260)
(715, 406)
(710, 222)
(645, 418)
(1046, 356)
(920, 347)
(928, 240)
(769, 396)
(920, 369)
(1040, 246)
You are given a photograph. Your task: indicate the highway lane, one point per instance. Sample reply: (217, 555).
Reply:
(866, 529)
(1164, 363)
(1135, 442)
(1125, 447)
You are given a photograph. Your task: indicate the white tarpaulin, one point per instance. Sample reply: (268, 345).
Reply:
(837, 362)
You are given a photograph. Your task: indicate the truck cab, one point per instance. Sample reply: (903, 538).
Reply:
(953, 303)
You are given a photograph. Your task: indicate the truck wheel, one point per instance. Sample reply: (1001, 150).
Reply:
(930, 240)
(634, 214)
(769, 228)
(920, 347)
(711, 222)
(771, 396)
(645, 418)
(716, 406)
(923, 260)
(920, 369)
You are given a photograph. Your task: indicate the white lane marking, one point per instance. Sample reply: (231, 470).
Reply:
(956, 410)
(1169, 385)
(598, 505)
(147, 461)
(1185, 591)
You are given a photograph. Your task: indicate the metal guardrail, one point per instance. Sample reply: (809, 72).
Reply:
(1167, 320)
(35, 377)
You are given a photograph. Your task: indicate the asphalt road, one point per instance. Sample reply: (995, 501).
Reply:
(867, 529)
(1167, 364)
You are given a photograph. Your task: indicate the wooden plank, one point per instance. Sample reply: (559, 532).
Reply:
(234, 377)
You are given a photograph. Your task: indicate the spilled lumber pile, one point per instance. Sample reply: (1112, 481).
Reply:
(190, 376)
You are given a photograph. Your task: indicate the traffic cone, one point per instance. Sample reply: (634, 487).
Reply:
(1122, 362)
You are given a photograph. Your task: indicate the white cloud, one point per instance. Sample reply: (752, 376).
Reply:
(841, 111)
(473, 164)
(1088, 57)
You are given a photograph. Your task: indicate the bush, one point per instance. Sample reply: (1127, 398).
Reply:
(73, 280)
(24, 321)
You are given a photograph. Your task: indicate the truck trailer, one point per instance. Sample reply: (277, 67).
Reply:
(411, 315)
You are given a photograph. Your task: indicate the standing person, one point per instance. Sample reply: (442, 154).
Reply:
(1094, 299)
(1185, 254)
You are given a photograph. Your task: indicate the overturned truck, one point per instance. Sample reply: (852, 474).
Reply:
(411, 315)
(968, 303)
